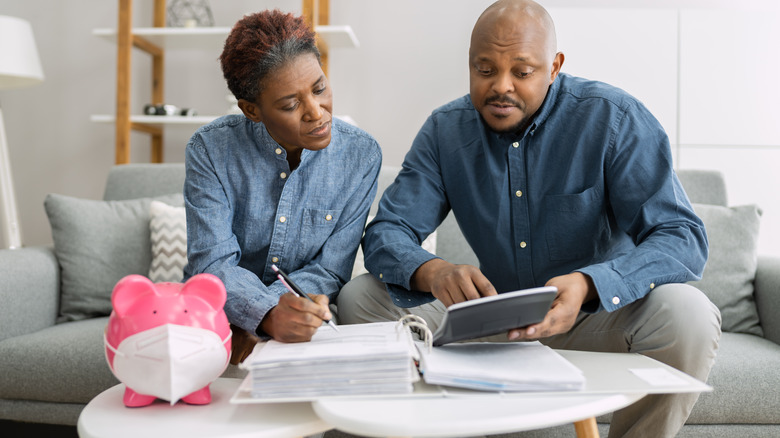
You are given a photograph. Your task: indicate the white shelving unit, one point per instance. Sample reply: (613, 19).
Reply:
(156, 40)
(177, 38)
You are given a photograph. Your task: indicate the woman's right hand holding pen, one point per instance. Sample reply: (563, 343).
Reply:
(296, 319)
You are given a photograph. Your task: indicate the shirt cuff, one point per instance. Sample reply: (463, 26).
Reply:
(613, 294)
(405, 298)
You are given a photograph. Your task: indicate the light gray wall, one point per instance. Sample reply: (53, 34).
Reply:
(411, 59)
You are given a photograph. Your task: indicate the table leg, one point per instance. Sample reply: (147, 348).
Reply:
(587, 428)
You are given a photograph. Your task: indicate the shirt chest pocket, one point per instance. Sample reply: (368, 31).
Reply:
(577, 224)
(319, 223)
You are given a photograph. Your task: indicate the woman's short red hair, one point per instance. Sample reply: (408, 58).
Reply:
(260, 43)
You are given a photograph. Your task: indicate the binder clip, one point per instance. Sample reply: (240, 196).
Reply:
(418, 325)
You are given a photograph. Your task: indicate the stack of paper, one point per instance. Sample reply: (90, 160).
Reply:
(512, 366)
(357, 360)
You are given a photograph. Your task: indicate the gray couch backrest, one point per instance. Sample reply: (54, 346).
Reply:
(704, 186)
(129, 181)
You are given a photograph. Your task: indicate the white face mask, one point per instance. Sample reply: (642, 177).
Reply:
(170, 361)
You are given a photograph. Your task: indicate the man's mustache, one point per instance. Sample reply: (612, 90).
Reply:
(503, 100)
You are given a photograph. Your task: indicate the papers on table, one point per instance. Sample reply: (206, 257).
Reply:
(513, 366)
(362, 359)
(379, 359)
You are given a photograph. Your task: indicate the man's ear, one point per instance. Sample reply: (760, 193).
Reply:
(250, 110)
(556, 66)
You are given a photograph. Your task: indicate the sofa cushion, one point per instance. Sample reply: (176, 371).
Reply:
(65, 363)
(168, 233)
(744, 380)
(97, 243)
(731, 268)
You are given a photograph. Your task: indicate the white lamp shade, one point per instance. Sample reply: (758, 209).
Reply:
(19, 62)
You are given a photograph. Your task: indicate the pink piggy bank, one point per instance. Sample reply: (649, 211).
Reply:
(168, 340)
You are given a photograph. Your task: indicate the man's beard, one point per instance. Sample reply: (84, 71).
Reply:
(506, 101)
(514, 129)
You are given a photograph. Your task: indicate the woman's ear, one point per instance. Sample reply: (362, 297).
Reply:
(250, 110)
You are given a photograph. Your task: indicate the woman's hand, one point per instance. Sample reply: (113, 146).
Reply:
(296, 319)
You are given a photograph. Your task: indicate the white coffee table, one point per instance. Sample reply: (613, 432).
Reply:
(610, 385)
(107, 417)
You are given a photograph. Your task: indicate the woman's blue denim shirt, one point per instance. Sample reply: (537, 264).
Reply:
(246, 210)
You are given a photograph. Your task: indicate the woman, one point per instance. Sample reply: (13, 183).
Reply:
(283, 184)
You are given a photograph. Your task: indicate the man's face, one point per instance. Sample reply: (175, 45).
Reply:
(296, 105)
(511, 67)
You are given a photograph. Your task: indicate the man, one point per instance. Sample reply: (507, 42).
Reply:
(554, 180)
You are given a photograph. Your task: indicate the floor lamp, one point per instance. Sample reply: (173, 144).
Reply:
(19, 67)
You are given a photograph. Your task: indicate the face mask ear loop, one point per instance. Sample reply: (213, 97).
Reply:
(111, 347)
(227, 338)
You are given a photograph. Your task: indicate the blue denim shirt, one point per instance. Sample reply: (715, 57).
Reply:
(246, 211)
(589, 186)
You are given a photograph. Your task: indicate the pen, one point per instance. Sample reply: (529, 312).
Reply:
(292, 287)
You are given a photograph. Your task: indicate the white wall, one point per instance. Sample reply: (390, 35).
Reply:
(704, 69)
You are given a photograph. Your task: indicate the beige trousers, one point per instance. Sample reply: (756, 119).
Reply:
(675, 324)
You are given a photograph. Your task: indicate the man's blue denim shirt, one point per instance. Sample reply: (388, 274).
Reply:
(246, 211)
(589, 186)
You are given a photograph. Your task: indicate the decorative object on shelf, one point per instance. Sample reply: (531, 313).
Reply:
(189, 13)
(20, 66)
(162, 109)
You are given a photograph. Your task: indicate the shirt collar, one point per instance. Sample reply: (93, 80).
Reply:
(549, 102)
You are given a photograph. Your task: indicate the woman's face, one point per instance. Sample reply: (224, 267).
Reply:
(296, 106)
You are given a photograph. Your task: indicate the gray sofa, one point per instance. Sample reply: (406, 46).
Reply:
(51, 370)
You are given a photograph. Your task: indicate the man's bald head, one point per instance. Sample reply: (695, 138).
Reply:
(512, 62)
(508, 15)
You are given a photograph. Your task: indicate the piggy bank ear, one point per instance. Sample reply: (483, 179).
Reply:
(208, 287)
(127, 291)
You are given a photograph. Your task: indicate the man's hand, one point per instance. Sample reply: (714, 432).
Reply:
(450, 283)
(296, 319)
(573, 291)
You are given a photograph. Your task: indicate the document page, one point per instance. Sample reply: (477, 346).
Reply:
(515, 366)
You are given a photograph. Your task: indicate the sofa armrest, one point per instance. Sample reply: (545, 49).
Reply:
(29, 290)
(767, 293)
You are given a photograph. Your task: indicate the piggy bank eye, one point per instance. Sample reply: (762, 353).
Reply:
(154, 312)
(185, 310)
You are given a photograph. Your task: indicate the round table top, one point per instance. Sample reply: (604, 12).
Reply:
(106, 416)
(491, 413)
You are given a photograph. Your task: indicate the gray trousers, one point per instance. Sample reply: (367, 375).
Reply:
(675, 324)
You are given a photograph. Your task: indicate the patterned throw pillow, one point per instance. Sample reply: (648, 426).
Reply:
(168, 226)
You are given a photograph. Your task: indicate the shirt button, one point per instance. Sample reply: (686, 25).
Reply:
(380, 275)
(278, 151)
(282, 175)
(615, 300)
(652, 285)
(282, 219)
(328, 217)
(515, 145)
(523, 244)
(275, 259)
(519, 193)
